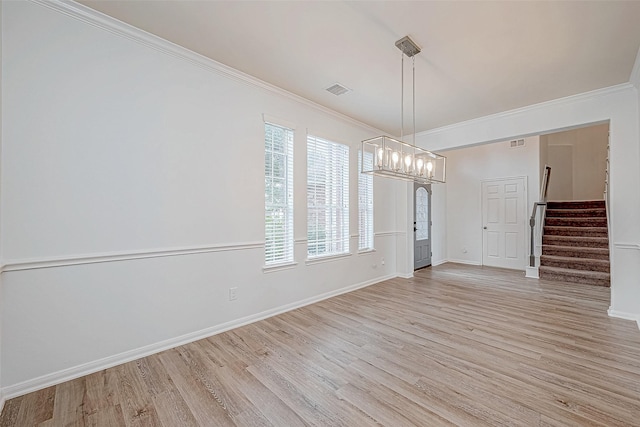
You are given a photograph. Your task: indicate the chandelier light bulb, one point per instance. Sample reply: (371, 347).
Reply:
(395, 157)
(407, 161)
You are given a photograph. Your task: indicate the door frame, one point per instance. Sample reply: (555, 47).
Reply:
(525, 209)
(429, 189)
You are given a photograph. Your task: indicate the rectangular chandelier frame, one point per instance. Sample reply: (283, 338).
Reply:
(398, 159)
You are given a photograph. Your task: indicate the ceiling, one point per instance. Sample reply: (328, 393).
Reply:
(477, 57)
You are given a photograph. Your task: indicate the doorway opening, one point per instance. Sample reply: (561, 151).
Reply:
(421, 226)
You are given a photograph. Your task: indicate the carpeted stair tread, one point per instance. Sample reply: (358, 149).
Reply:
(575, 243)
(576, 231)
(576, 252)
(574, 263)
(579, 241)
(580, 204)
(597, 278)
(577, 222)
(577, 213)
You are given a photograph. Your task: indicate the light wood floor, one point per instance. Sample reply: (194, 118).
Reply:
(456, 345)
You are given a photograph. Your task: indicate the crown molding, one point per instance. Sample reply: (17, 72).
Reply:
(105, 22)
(567, 100)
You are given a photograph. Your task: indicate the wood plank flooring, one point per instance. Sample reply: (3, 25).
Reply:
(456, 345)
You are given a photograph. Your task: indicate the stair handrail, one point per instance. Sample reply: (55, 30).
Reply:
(606, 189)
(540, 204)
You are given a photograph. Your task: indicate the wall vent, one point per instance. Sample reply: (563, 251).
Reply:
(516, 143)
(338, 89)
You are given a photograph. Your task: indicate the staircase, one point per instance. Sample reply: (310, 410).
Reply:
(575, 243)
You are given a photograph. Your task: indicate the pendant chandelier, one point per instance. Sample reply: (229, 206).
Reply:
(398, 159)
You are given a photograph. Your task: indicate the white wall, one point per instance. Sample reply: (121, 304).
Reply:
(1, 298)
(617, 104)
(466, 168)
(560, 158)
(132, 197)
(587, 165)
(631, 251)
(439, 227)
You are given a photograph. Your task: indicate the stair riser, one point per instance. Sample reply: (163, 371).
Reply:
(573, 241)
(587, 253)
(576, 222)
(576, 264)
(576, 213)
(576, 244)
(575, 279)
(598, 204)
(580, 232)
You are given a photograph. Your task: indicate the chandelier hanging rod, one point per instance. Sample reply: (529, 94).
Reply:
(389, 157)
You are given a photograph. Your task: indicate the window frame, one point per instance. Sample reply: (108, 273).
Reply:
(327, 199)
(366, 240)
(273, 261)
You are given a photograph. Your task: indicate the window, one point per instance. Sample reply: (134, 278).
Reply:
(365, 203)
(278, 194)
(327, 198)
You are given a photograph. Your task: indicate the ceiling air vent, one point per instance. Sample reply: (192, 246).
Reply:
(516, 143)
(337, 89)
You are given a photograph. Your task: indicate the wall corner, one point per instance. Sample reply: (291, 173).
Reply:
(1, 258)
(634, 78)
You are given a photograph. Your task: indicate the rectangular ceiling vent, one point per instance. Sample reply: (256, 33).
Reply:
(516, 143)
(338, 89)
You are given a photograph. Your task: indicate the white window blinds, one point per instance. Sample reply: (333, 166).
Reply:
(278, 194)
(327, 198)
(365, 202)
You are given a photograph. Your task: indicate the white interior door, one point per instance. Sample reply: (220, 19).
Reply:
(504, 222)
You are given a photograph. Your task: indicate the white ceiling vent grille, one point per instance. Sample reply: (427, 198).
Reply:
(338, 89)
(516, 143)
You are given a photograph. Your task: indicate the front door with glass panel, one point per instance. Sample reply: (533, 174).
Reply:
(422, 226)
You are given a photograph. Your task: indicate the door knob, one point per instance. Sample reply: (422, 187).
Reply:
(485, 227)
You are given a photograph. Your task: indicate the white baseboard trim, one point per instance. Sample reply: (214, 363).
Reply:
(624, 315)
(439, 262)
(68, 374)
(461, 261)
(405, 275)
(532, 273)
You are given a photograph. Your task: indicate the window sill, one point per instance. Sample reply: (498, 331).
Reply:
(278, 267)
(366, 251)
(328, 258)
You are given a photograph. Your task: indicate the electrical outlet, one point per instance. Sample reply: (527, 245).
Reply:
(464, 250)
(233, 294)
(382, 262)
